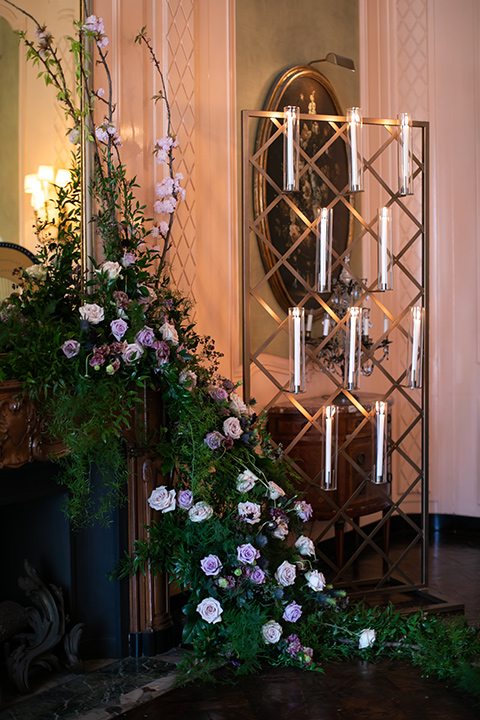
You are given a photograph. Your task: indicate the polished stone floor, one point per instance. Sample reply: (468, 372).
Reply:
(144, 689)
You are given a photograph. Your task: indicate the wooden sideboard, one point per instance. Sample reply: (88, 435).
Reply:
(356, 444)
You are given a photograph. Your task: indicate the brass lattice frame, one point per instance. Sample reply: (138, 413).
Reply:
(252, 167)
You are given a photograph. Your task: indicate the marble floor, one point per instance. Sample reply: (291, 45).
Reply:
(142, 689)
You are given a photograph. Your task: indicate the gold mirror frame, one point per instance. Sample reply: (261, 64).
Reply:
(308, 89)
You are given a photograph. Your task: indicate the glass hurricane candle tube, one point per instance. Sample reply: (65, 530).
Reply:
(415, 347)
(353, 345)
(385, 249)
(379, 471)
(355, 156)
(405, 155)
(330, 443)
(323, 261)
(296, 332)
(291, 144)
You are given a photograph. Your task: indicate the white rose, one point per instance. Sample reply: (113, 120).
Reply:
(272, 632)
(285, 574)
(316, 580)
(169, 334)
(162, 499)
(275, 491)
(36, 272)
(245, 481)
(232, 428)
(200, 511)
(132, 352)
(188, 378)
(249, 512)
(367, 638)
(305, 545)
(210, 610)
(281, 531)
(92, 312)
(111, 269)
(237, 406)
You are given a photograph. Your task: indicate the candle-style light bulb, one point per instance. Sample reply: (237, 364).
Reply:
(323, 264)
(354, 134)
(380, 411)
(405, 155)
(291, 141)
(296, 330)
(385, 249)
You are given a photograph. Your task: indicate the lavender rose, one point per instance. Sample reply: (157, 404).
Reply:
(292, 612)
(200, 511)
(131, 353)
(71, 348)
(245, 481)
(118, 327)
(92, 312)
(185, 499)
(213, 440)
(162, 499)
(162, 350)
(210, 610)
(145, 337)
(232, 428)
(303, 510)
(247, 554)
(211, 565)
(169, 333)
(249, 512)
(316, 580)
(272, 632)
(217, 393)
(285, 574)
(128, 259)
(256, 575)
(305, 546)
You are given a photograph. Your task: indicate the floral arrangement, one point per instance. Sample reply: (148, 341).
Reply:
(229, 528)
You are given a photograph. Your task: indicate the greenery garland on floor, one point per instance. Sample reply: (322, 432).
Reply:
(230, 528)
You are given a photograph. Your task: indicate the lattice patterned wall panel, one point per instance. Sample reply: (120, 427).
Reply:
(181, 80)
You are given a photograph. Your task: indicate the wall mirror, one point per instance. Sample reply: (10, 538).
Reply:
(33, 126)
(322, 182)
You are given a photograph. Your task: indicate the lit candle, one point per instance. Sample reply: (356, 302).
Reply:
(329, 413)
(380, 408)
(385, 324)
(384, 218)
(291, 132)
(417, 324)
(354, 123)
(365, 323)
(404, 159)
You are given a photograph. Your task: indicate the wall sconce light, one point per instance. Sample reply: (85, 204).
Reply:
(296, 332)
(405, 155)
(385, 249)
(353, 343)
(415, 347)
(336, 59)
(329, 455)
(323, 258)
(38, 185)
(291, 140)
(379, 470)
(354, 135)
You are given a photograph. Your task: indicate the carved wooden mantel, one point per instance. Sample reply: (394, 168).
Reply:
(23, 441)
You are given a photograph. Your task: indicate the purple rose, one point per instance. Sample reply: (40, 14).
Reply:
(146, 337)
(185, 499)
(163, 352)
(217, 393)
(211, 565)
(257, 576)
(98, 357)
(118, 327)
(213, 440)
(71, 348)
(303, 510)
(292, 612)
(247, 554)
(122, 299)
